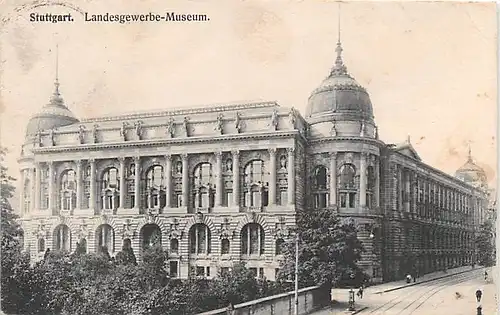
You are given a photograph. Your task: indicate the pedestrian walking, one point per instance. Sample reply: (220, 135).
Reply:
(485, 275)
(479, 293)
(360, 292)
(408, 278)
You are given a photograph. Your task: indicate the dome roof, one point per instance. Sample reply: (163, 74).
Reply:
(472, 173)
(53, 115)
(340, 94)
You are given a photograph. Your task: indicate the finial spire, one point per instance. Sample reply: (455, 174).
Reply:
(469, 157)
(339, 68)
(56, 98)
(408, 139)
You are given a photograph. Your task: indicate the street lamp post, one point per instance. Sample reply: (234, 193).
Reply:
(296, 307)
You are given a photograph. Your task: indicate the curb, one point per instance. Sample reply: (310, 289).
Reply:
(428, 280)
(360, 310)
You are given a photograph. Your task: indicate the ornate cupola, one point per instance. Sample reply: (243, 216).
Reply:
(340, 100)
(53, 115)
(472, 174)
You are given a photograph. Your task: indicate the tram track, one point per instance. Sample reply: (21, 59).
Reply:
(431, 287)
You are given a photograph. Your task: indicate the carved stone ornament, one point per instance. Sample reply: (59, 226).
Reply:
(81, 134)
(348, 158)
(94, 133)
(41, 231)
(333, 130)
(280, 230)
(199, 217)
(123, 131)
(175, 232)
(170, 128)
(82, 231)
(219, 124)
(274, 120)
(127, 229)
(151, 215)
(38, 139)
(225, 231)
(237, 123)
(252, 217)
(292, 117)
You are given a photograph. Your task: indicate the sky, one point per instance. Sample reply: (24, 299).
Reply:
(430, 68)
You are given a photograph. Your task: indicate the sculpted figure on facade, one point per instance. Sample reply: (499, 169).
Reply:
(376, 132)
(81, 134)
(274, 120)
(225, 230)
(38, 139)
(127, 229)
(333, 131)
(292, 116)
(83, 230)
(175, 231)
(185, 126)
(229, 165)
(219, 124)
(123, 131)
(170, 128)
(52, 137)
(94, 133)
(237, 123)
(283, 162)
(138, 129)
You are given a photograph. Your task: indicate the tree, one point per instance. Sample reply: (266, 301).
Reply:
(15, 263)
(328, 250)
(485, 244)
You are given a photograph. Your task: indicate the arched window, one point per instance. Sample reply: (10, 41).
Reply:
(67, 190)
(252, 239)
(41, 245)
(150, 235)
(320, 187)
(27, 196)
(105, 238)
(224, 245)
(174, 246)
(256, 184)
(370, 186)
(279, 246)
(347, 186)
(110, 189)
(155, 188)
(199, 239)
(203, 187)
(62, 238)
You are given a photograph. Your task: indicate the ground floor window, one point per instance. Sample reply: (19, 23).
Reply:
(174, 269)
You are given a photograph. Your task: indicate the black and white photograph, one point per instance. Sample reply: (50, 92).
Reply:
(248, 157)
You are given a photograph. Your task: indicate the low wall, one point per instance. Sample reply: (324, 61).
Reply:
(310, 299)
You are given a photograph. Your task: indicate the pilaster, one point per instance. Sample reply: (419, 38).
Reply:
(333, 178)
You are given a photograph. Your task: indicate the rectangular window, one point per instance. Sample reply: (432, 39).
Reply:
(208, 272)
(261, 273)
(229, 199)
(174, 269)
(179, 200)
(343, 200)
(352, 200)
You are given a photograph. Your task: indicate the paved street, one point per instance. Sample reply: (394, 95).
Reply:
(434, 297)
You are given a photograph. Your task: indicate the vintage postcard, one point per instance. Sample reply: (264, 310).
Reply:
(237, 157)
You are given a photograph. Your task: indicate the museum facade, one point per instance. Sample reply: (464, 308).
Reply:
(215, 185)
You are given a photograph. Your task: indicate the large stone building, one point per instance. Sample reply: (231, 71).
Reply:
(220, 184)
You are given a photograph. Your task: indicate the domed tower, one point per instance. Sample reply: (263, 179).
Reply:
(340, 105)
(472, 174)
(53, 115)
(343, 162)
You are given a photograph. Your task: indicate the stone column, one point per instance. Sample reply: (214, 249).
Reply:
(377, 182)
(220, 182)
(168, 180)
(22, 177)
(92, 184)
(362, 180)
(78, 184)
(123, 185)
(272, 176)
(185, 181)
(38, 186)
(137, 182)
(333, 178)
(236, 178)
(32, 190)
(291, 176)
(51, 186)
